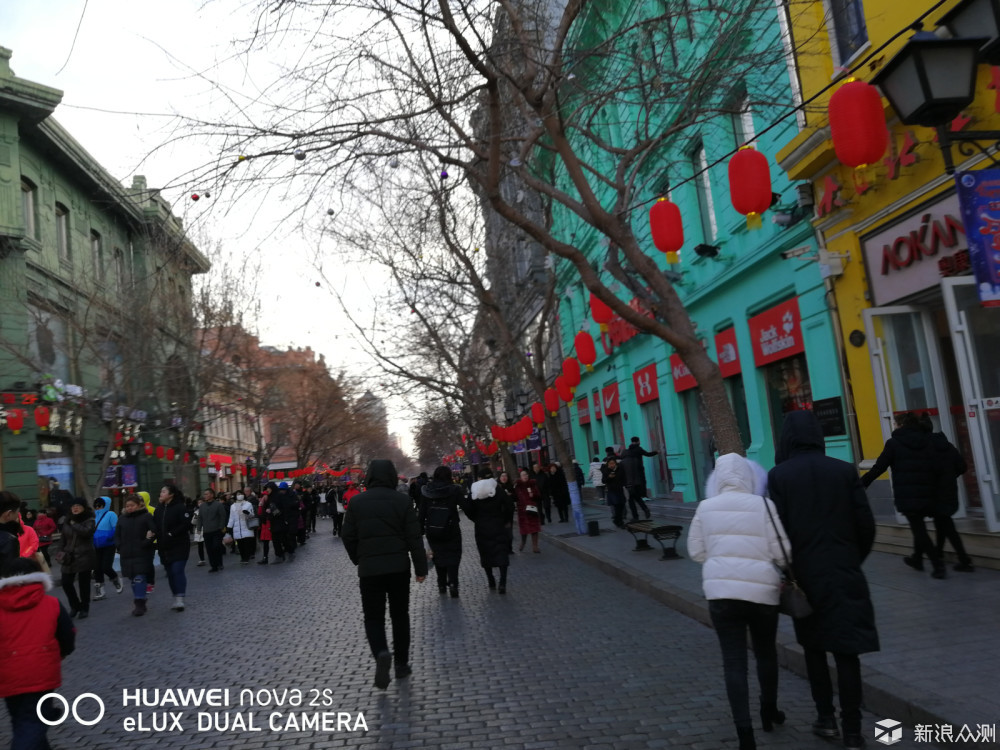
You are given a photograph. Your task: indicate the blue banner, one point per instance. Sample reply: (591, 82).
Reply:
(979, 198)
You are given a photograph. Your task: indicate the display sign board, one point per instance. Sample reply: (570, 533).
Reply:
(646, 387)
(830, 412)
(726, 352)
(979, 199)
(777, 333)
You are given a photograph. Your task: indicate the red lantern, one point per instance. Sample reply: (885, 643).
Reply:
(203, 462)
(601, 313)
(148, 449)
(171, 454)
(667, 228)
(563, 390)
(585, 350)
(187, 457)
(118, 439)
(15, 420)
(571, 371)
(495, 431)
(493, 448)
(460, 453)
(537, 413)
(253, 472)
(42, 417)
(750, 184)
(551, 401)
(526, 427)
(160, 452)
(270, 475)
(857, 124)
(218, 467)
(281, 475)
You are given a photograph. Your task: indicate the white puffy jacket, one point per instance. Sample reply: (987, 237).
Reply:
(733, 536)
(595, 474)
(483, 489)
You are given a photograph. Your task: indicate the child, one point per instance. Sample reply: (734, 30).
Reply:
(36, 633)
(134, 538)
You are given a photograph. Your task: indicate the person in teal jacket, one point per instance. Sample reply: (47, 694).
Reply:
(106, 520)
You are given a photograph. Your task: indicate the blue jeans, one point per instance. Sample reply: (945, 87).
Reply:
(176, 577)
(732, 618)
(28, 730)
(139, 587)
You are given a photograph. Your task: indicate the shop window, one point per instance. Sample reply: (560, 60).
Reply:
(29, 208)
(701, 446)
(788, 389)
(62, 232)
(738, 398)
(617, 431)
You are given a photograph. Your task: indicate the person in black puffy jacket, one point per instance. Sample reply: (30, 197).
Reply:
(912, 458)
(949, 465)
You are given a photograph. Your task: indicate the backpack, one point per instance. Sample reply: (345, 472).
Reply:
(436, 522)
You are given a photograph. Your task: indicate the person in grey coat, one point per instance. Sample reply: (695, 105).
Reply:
(825, 512)
(382, 536)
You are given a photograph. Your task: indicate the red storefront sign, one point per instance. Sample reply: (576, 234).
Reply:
(777, 333)
(598, 414)
(583, 410)
(646, 387)
(619, 331)
(683, 379)
(214, 458)
(609, 399)
(727, 353)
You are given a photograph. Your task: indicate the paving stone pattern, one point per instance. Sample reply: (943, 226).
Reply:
(569, 658)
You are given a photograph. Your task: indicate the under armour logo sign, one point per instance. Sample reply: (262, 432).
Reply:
(643, 384)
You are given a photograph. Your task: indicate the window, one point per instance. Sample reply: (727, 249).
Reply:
(28, 207)
(119, 269)
(791, 65)
(788, 388)
(741, 119)
(97, 254)
(48, 343)
(703, 188)
(62, 232)
(849, 32)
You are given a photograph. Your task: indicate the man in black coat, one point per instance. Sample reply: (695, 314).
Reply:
(284, 522)
(10, 529)
(831, 529)
(914, 485)
(381, 536)
(635, 477)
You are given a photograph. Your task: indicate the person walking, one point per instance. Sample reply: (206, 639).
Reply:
(529, 510)
(36, 634)
(213, 516)
(105, 522)
(45, 527)
(173, 524)
(614, 484)
(824, 510)
(439, 521)
(382, 537)
(239, 526)
(635, 477)
(284, 505)
(10, 529)
(559, 491)
(490, 509)
(596, 478)
(506, 487)
(541, 477)
(198, 534)
(134, 536)
(736, 534)
(915, 485)
(78, 557)
(265, 525)
(949, 465)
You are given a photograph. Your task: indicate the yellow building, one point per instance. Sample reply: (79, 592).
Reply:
(915, 336)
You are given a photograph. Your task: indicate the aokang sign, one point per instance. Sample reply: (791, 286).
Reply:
(904, 259)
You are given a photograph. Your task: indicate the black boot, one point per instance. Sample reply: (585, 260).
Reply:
(454, 591)
(770, 715)
(747, 742)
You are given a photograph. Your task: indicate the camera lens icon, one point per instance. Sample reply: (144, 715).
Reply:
(888, 731)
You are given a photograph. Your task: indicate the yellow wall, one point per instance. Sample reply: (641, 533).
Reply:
(810, 156)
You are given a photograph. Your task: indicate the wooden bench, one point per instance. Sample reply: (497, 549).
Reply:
(659, 533)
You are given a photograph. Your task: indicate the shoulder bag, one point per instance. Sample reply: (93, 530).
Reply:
(792, 601)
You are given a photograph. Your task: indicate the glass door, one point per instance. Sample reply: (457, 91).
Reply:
(975, 331)
(906, 365)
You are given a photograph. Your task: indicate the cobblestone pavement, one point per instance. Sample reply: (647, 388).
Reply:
(569, 658)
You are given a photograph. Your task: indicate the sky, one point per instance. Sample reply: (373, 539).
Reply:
(126, 68)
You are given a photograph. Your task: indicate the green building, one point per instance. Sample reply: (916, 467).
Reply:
(757, 297)
(95, 314)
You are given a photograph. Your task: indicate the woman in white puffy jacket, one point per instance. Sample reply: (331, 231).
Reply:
(740, 546)
(239, 524)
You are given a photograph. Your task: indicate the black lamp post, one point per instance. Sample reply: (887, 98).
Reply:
(930, 81)
(975, 18)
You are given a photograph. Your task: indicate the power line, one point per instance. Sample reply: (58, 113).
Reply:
(75, 35)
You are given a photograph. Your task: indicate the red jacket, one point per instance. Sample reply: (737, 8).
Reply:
(45, 526)
(32, 638)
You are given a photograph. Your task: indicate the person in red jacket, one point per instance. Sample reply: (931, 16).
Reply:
(36, 633)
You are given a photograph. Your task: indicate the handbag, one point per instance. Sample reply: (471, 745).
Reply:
(253, 522)
(792, 600)
(531, 509)
(65, 557)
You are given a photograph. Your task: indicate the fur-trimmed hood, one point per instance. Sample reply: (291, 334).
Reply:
(24, 591)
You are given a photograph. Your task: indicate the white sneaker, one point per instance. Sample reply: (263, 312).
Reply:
(178, 605)
(99, 592)
(117, 583)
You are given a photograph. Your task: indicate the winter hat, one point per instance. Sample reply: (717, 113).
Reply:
(283, 486)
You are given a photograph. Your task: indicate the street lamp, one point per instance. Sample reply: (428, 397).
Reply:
(930, 81)
(977, 18)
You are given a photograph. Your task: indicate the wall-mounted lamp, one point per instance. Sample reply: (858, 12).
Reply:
(705, 250)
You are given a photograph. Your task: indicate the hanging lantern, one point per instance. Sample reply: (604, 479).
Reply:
(562, 389)
(203, 462)
(218, 467)
(537, 413)
(161, 452)
(857, 124)
(195, 196)
(601, 313)
(119, 437)
(15, 420)
(460, 453)
(253, 472)
(42, 415)
(171, 454)
(551, 399)
(526, 427)
(187, 457)
(750, 184)
(585, 350)
(667, 228)
(148, 449)
(495, 431)
(571, 371)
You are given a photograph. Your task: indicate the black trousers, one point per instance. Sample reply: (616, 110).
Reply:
(105, 564)
(213, 546)
(922, 544)
(78, 601)
(635, 495)
(375, 590)
(447, 575)
(338, 522)
(944, 528)
(247, 547)
(732, 619)
(848, 686)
